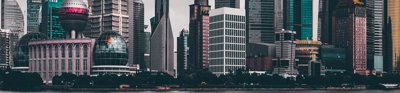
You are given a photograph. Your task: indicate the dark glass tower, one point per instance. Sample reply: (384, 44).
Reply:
(162, 40)
(264, 17)
(33, 8)
(50, 24)
(182, 52)
(375, 10)
(198, 37)
(136, 35)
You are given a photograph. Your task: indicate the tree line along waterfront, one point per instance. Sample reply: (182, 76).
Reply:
(15, 80)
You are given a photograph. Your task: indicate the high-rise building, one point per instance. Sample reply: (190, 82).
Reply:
(227, 40)
(13, 16)
(285, 50)
(8, 41)
(375, 10)
(263, 18)
(327, 21)
(259, 56)
(109, 15)
(198, 37)
(162, 40)
(34, 15)
(183, 52)
(394, 19)
(146, 45)
(351, 33)
(302, 17)
(50, 24)
(227, 3)
(136, 28)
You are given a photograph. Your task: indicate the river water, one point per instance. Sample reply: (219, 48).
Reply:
(268, 91)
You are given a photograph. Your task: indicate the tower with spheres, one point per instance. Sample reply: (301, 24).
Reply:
(73, 17)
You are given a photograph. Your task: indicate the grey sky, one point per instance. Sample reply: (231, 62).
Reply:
(179, 13)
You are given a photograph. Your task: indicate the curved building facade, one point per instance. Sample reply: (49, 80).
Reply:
(21, 51)
(54, 57)
(110, 55)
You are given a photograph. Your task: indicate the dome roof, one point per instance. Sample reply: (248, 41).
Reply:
(110, 49)
(21, 51)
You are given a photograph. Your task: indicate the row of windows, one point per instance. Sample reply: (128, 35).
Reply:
(34, 54)
(235, 40)
(228, 47)
(236, 54)
(216, 40)
(216, 25)
(230, 32)
(236, 18)
(236, 25)
(227, 62)
(216, 18)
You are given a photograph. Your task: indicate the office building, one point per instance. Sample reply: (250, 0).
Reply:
(375, 10)
(136, 34)
(227, 40)
(327, 21)
(284, 61)
(183, 52)
(50, 24)
(351, 33)
(109, 15)
(146, 45)
(162, 40)
(13, 15)
(198, 37)
(393, 9)
(34, 15)
(263, 18)
(227, 3)
(302, 16)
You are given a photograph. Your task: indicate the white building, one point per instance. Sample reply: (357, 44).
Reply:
(227, 46)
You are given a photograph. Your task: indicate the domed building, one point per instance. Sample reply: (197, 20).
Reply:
(110, 55)
(21, 51)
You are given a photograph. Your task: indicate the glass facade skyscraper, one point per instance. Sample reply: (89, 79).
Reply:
(263, 19)
(34, 13)
(299, 17)
(227, 3)
(50, 24)
(375, 10)
(394, 17)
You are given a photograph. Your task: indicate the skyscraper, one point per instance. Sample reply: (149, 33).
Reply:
(302, 17)
(263, 18)
(12, 16)
(327, 21)
(162, 40)
(109, 15)
(394, 18)
(198, 37)
(183, 52)
(375, 10)
(136, 34)
(227, 3)
(227, 40)
(34, 14)
(50, 25)
(351, 33)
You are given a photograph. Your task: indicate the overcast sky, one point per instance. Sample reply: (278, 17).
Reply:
(178, 11)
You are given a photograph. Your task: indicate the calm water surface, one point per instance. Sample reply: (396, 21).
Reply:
(271, 91)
